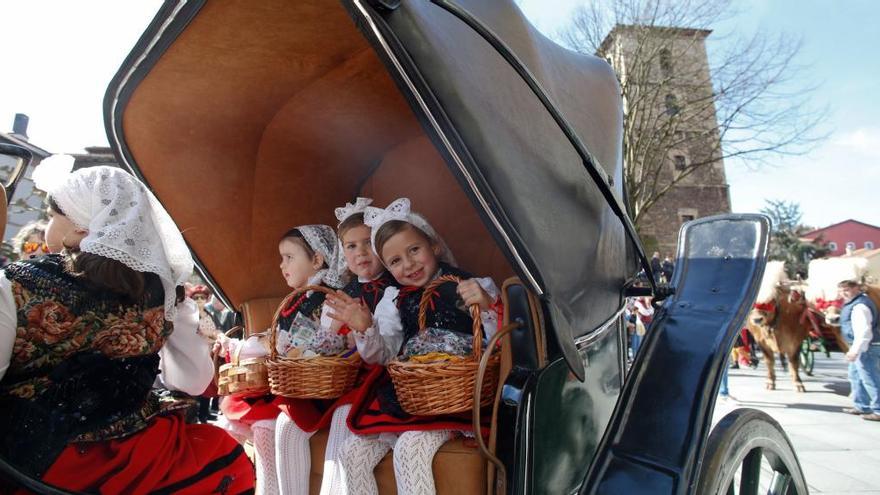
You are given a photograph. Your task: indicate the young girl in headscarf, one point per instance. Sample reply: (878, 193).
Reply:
(414, 255)
(369, 279)
(84, 334)
(308, 257)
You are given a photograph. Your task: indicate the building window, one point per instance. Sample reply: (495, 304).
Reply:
(850, 246)
(680, 162)
(666, 62)
(687, 214)
(672, 105)
(832, 246)
(869, 245)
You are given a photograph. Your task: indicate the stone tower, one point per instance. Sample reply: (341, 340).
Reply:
(668, 96)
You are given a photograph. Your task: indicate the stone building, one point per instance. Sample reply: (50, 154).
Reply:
(668, 96)
(26, 204)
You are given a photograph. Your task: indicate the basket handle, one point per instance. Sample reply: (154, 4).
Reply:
(273, 329)
(474, 309)
(478, 388)
(215, 354)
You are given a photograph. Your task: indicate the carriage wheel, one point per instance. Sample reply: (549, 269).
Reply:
(748, 451)
(808, 357)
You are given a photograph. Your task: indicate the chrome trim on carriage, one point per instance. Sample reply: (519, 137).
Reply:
(448, 145)
(588, 339)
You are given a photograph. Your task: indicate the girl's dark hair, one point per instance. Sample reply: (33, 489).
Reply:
(108, 274)
(295, 236)
(389, 229)
(349, 223)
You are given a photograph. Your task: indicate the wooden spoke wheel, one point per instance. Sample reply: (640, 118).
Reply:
(808, 356)
(749, 453)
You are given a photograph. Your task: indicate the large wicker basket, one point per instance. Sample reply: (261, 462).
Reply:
(318, 377)
(443, 387)
(242, 377)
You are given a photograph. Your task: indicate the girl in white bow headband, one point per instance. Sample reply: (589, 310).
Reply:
(415, 255)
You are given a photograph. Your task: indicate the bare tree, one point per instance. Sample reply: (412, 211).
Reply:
(681, 120)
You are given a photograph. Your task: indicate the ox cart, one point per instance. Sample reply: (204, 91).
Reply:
(246, 118)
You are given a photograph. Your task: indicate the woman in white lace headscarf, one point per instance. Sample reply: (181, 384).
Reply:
(85, 332)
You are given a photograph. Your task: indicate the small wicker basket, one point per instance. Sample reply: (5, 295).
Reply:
(317, 377)
(242, 377)
(444, 387)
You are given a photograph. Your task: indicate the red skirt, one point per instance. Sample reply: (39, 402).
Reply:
(314, 414)
(371, 413)
(169, 456)
(250, 409)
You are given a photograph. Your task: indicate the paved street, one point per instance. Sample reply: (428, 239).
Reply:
(839, 453)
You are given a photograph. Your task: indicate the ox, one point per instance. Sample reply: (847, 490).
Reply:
(776, 322)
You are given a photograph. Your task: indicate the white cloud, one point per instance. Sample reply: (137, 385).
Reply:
(864, 140)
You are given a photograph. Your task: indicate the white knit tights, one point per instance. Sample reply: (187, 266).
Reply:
(413, 459)
(333, 482)
(294, 458)
(359, 456)
(264, 444)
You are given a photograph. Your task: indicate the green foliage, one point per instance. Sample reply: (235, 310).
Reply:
(785, 238)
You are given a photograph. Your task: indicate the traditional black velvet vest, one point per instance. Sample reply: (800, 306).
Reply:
(370, 292)
(446, 310)
(308, 306)
(83, 364)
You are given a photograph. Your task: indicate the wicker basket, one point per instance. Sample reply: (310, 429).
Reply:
(242, 377)
(317, 377)
(431, 389)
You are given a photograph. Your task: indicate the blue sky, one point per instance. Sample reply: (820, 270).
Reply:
(68, 51)
(840, 178)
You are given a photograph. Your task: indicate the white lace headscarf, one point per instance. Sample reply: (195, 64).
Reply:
(124, 220)
(399, 209)
(322, 239)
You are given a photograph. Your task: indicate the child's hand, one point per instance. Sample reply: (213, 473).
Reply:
(352, 312)
(472, 293)
(222, 344)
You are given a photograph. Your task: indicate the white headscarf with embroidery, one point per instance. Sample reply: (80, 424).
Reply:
(124, 220)
(322, 239)
(399, 209)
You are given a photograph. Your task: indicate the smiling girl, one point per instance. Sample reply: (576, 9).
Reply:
(414, 255)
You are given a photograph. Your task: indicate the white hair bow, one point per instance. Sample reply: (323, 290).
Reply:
(359, 205)
(399, 209)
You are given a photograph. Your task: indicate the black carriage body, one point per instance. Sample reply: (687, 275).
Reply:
(570, 419)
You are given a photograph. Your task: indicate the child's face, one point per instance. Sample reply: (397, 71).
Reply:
(359, 254)
(296, 264)
(410, 257)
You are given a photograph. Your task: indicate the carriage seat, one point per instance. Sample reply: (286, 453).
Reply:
(257, 314)
(458, 466)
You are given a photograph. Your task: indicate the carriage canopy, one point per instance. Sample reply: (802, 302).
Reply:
(247, 118)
